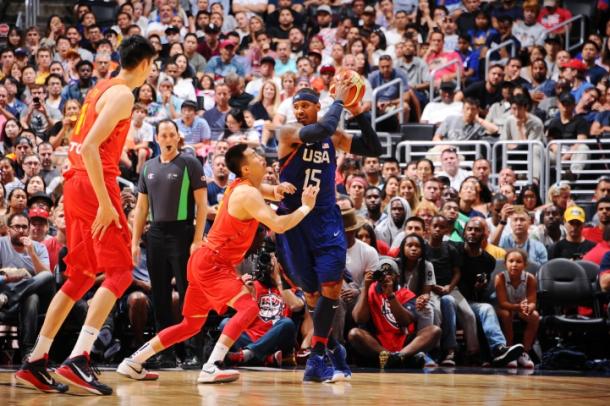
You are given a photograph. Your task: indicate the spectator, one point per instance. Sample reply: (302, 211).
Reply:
(431, 192)
(436, 112)
(529, 31)
(604, 275)
(477, 267)
(552, 15)
(386, 344)
(529, 197)
(437, 56)
(372, 171)
(391, 226)
(468, 197)
(366, 234)
(418, 72)
(602, 209)
(450, 165)
(39, 117)
(390, 167)
(372, 201)
(551, 229)
(225, 62)
(486, 91)
(216, 117)
(85, 81)
(194, 130)
(139, 137)
(196, 61)
(408, 191)
(516, 291)
(520, 238)
(568, 126)
(542, 86)
(216, 186)
(504, 33)
(61, 132)
(355, 186)
(574, 245)
(590, 55)
(467, 126)
(26, 279)
(481, 169)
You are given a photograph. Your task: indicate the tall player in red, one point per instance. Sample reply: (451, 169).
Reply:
(98, 238)
(213, 282)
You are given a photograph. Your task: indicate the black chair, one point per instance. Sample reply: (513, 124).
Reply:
(417, 132)
(104, 11)
(592, 271)
(584, 7)
(563, 285)
(532, 268)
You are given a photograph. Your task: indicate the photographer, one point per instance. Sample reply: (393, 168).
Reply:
(271, 336)
(39, 116)
(391, 309)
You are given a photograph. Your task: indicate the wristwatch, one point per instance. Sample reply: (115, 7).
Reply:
(503, 222)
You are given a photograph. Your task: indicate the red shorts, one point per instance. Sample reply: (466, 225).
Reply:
(87, 256)
(211, 284)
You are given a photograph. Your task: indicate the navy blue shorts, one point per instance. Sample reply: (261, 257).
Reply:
(313, 253)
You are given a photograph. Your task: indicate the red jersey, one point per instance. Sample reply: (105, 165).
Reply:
(390, 335)
(594, 234)
(112, 148)
(230, 237)
(271, 308)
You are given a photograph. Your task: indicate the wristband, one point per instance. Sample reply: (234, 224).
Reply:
(503, 222)
(304, 209)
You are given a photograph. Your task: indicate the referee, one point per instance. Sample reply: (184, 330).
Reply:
(173, 193)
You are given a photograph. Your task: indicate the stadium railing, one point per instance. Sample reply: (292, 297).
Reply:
(528, 160)
(513, 50)
(567, 23)
(433, 74)
(468, 151)
(374, 118)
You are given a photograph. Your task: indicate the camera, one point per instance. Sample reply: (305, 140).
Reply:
(264, 263)
(378, 275)
(481, 278)
(36, 101)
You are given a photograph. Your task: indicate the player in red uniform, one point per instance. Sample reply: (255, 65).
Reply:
(213, 282)
(98, 237)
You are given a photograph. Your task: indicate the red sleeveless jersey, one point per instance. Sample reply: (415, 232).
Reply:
(230, 237)
(112, 147)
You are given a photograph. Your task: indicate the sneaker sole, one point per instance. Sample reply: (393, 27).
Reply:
(82, 389)
(221, 378)
(29, 384)
(148, 377)
(341, 377)
(509, 356)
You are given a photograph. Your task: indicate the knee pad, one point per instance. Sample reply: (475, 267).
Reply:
(247, 311)
(117, 281)
(188, 327)
(76, 286)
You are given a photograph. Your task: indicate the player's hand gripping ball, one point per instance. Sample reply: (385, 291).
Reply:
(355, 93)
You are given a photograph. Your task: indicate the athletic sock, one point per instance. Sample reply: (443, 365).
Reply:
(323, 317)
(85, 341)
(42, 347)
(248, 355)
(218, 354)
(143, 353)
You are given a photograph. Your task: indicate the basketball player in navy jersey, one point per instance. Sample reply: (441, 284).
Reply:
(314, 252)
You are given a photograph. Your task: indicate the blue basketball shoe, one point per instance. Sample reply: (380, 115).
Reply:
(316, 370)
(338, 357)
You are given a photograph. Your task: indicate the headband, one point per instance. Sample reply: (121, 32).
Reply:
(300, 96)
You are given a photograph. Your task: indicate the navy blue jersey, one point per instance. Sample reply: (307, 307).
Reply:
(311, 164)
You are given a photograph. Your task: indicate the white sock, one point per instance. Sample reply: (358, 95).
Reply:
(218, 353)
(143, 353)
(85, 341)
(42, 347)
(248, 355)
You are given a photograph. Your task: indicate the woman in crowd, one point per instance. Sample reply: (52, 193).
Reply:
(61, 132)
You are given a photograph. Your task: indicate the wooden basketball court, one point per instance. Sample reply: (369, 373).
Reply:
(283, 387)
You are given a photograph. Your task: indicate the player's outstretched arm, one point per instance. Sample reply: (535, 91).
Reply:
(365, 144)
(117, 104)
(248, 202)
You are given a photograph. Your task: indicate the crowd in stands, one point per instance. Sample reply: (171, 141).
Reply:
(436, 231)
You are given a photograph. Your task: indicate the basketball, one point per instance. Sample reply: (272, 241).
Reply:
(356, 89)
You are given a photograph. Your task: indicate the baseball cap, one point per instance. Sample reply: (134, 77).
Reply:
(574, 213)
(268, 59)
(327, 69)
(448, 86)
(227, 43)
(567, 98)
(39, 213)
(189, 104)
(21, 52)
(324, 9)
(172, 29)
(369, 10)
(388, 263)
(574, 64)
(40, 196)
(549, 3)
(211, 29)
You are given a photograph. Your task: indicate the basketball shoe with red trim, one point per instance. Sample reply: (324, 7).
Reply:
(78, 372)
(35, 375)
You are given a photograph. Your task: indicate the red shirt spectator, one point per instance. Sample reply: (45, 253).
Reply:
(551, 15)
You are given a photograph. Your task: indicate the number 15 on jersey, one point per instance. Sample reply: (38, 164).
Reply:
(312, 177)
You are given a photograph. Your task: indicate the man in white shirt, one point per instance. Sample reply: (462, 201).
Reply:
(450, 164)
(436, 112)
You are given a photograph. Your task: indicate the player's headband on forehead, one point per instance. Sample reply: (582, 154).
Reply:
(305, 96)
